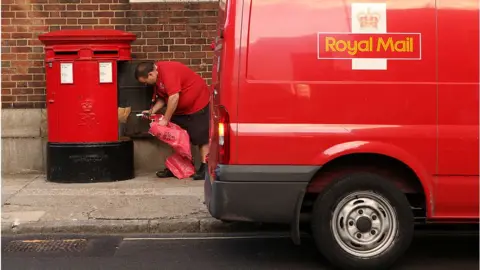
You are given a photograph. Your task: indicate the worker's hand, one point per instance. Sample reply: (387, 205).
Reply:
(163, 122)
(146, 114)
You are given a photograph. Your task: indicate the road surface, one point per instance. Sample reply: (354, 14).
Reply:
(228, 251)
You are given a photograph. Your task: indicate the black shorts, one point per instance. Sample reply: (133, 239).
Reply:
(196, 124)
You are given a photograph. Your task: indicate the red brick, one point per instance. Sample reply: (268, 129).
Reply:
(8, 28)
(149, 48)
(39, 77)
(36, 70)
(36, 98)
(55, 21)
(87, 21)
(71, 14)
(22, 84)
(8, 98)
(168, 41)
(121, 21)
(6, 91)
(35, 56)
(35, 42)
(104, 14)
(179, 41)
(22, 91)
(37, 7)
(38, 28)
(163, 48)
(39, 91)
(152, 41)
(87, 7)
(17, 64)
(102, 27)
(36, 84)
(196, 41)
(55, 14)
(135, 27)
(179, 34)
(195, 54)
(22, 56)
(119, 7)
(150, 35)
(21, 50)
(23, 105)
(54, 7)
(8, 85)
(179, 54)
(208, 20)
(183, 61)
(22, 98)
(21, 14)
(87, 14)
(8, 14)
(22, 29)
(22, 35)
(21, 77)
(40, 105)
(139, 55)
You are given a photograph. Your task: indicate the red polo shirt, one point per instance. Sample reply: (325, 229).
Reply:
(175, 77)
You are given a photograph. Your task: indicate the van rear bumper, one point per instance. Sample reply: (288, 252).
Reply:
(257, 193)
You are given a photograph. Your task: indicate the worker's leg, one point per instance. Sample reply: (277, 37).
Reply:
(198, 128)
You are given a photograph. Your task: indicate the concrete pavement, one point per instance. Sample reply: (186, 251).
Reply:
(145, 204)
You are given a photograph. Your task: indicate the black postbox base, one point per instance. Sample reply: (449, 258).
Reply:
(90, 162)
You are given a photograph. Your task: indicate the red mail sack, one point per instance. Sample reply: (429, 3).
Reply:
(180, 166)
(180, 162)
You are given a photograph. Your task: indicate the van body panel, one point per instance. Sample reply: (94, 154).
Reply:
(298, 94)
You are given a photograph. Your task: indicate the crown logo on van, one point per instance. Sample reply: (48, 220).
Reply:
(368, 19)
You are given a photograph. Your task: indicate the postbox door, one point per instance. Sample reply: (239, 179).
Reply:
(87, 109)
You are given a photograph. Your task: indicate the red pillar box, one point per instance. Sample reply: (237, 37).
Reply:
(81, 73)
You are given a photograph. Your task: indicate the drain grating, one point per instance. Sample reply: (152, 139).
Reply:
(64, 245)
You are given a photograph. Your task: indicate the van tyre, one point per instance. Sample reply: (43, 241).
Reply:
(362, 221)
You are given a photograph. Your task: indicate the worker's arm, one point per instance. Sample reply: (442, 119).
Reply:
(171, 106)
(158, 105)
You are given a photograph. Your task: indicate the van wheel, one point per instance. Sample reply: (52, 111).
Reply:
(362, 221)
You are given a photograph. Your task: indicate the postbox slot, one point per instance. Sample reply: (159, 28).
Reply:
(105, 53)
(66, 53)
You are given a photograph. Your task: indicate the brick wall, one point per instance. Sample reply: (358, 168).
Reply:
(165, 31)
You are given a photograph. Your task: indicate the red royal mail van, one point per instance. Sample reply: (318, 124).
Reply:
(360, 118)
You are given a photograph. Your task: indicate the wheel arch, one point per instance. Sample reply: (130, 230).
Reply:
(379, 156)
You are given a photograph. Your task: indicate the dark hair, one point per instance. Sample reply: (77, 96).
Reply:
(142, 70)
